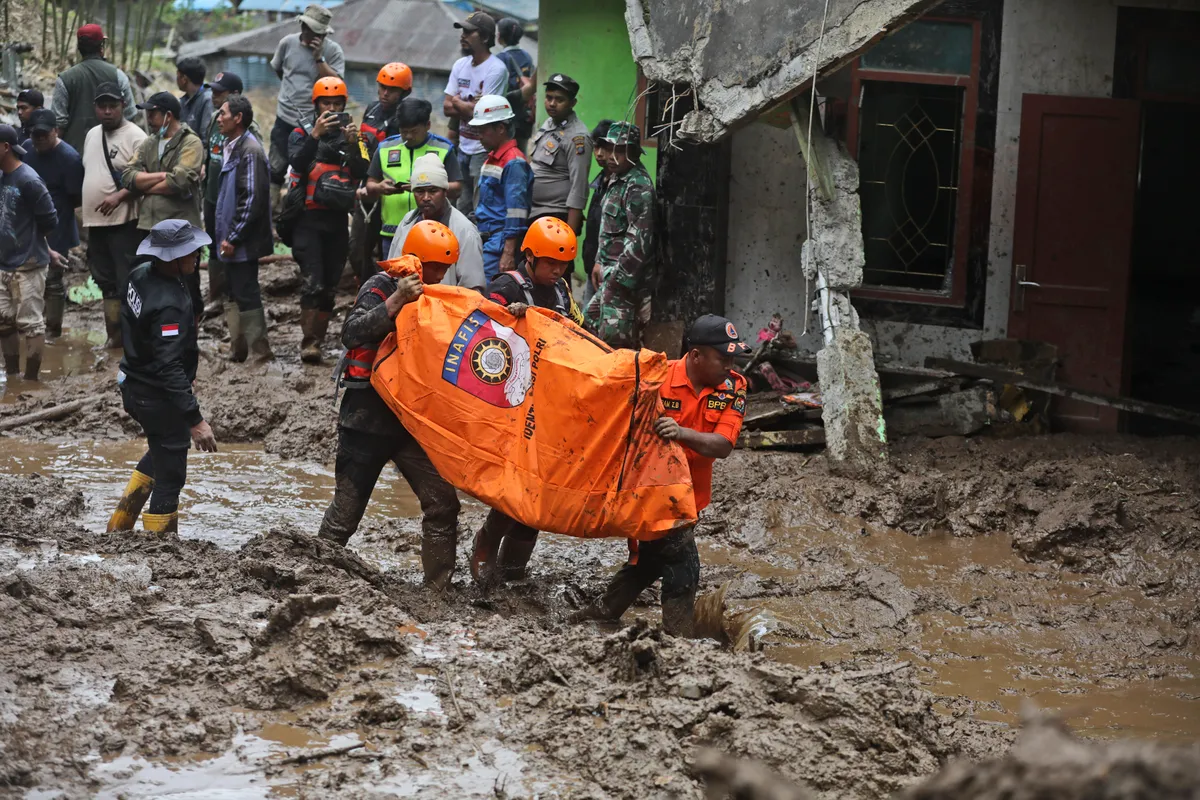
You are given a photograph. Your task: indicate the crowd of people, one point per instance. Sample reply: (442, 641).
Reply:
(497, 207)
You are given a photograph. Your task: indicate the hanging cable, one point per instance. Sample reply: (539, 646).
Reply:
(812, 107)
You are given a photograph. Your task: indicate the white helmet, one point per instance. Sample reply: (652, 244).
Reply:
(491, 108)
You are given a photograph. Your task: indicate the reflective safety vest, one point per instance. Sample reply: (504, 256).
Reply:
(396, 160)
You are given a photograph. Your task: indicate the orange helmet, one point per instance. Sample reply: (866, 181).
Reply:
(396, 75)
(432, 241)
(330, 87)
(550, 237)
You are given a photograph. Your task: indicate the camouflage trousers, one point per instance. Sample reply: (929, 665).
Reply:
(612, 315)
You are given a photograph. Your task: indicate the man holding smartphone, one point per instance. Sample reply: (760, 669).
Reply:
(300, 60)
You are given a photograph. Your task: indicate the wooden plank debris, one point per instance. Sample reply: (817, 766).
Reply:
(757, 440)
(1003, 376)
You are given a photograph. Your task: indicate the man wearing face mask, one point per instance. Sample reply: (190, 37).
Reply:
(389, 176)
(165, 174)
(327, 159)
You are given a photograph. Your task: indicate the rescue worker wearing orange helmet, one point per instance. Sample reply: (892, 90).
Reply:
(369, 434)
(503, 546)
(379, 122)
(326, 159)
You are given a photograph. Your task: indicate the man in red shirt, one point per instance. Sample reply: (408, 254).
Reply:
(704, 402)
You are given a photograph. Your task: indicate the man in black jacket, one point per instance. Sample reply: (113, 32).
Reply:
(156, 374)
(369, 434)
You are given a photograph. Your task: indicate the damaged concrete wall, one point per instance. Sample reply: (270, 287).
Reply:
(742, 57)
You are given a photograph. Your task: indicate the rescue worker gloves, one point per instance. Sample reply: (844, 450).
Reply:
(396, 75)
(329, 87)
(491, 108)
(432, 242)
(550, 237)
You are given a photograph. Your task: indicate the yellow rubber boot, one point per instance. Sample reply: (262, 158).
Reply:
(133, 499)
(161, 523)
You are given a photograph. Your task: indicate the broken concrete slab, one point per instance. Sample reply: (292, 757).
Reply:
(853, 410)
(743, 58)
(954, 414)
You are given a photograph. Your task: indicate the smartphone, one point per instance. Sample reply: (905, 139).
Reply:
(342, 118)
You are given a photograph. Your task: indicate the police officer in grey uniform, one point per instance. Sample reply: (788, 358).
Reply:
(561, 154)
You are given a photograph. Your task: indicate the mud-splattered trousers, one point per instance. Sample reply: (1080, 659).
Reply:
(370, 435)
(673, 558)
(620, 307)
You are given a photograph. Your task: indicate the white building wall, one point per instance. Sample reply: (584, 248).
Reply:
(1062, 47)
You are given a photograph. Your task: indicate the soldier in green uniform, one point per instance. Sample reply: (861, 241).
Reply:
(624, 273)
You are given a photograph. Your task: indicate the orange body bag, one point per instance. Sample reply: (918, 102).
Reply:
(535, 417)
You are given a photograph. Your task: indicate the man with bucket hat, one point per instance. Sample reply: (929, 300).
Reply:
(704, 402)
(300, 60)
(156, 375)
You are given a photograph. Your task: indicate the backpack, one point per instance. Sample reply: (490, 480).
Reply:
(335, 190)
(288, 213)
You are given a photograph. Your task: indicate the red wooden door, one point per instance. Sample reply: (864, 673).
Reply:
(1076, 187)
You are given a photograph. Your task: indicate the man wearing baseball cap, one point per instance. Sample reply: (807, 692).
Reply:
(27, 217)
(300, 60)
(476, 74)
(156, 375)
(704, 402)
(561, 154)
(75, 89)
(165, 173)
(61, 169)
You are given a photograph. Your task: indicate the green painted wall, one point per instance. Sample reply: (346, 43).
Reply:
(588, 40)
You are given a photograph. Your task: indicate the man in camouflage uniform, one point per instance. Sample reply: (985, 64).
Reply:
(624, 273)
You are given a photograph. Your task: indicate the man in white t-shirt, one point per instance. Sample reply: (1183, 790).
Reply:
(109, 212)
(477, 73)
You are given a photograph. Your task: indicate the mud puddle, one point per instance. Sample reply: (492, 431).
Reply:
(981, 625)
(231, 495)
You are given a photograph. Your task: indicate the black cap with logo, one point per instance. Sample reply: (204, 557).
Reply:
(226, 82)
(718, 332)
(564, 82)
(108, 91)
(163, 101)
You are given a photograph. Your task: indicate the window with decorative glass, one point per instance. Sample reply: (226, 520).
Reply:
(911, 127)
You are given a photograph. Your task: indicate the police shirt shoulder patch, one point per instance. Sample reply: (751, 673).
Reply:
(134, 300)
(580, 143)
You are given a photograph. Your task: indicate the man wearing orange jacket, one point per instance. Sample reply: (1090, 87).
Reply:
(369, 434)
(704, 402)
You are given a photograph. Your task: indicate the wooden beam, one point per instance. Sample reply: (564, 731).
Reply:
(755, 440)
(814, 162)
(926, 387)
(1002, 376)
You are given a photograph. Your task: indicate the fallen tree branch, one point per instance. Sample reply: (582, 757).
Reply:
(304, 758)
(553, 669)
(47, 414)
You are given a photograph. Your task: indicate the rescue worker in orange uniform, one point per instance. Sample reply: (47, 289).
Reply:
(704, 402)
(503, 546)
(327, 157)
(369, 434)
(379, 122)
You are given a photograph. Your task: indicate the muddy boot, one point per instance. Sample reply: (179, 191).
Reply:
(485, 551)
(112, 324)
(679, 614)
(437, 560)
(216, 288)
(133, 499)
(515, 552)
(161, 523)
(34, 347)
(254, 325)
(623, 589)
(237, 334)
(56, 304)
(10, 344)
(310, 342)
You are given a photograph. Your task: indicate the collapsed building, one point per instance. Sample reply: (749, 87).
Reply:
(975, 170)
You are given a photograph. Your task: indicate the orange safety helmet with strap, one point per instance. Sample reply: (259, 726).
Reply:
(430, 240)
(396, 75)
(550, 237)
(329, 87)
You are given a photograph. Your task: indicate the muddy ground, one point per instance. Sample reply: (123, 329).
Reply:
(917, 611)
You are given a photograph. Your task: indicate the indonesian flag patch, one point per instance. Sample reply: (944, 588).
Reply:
(170, 330)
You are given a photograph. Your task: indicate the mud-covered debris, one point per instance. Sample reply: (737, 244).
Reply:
(295, 609)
